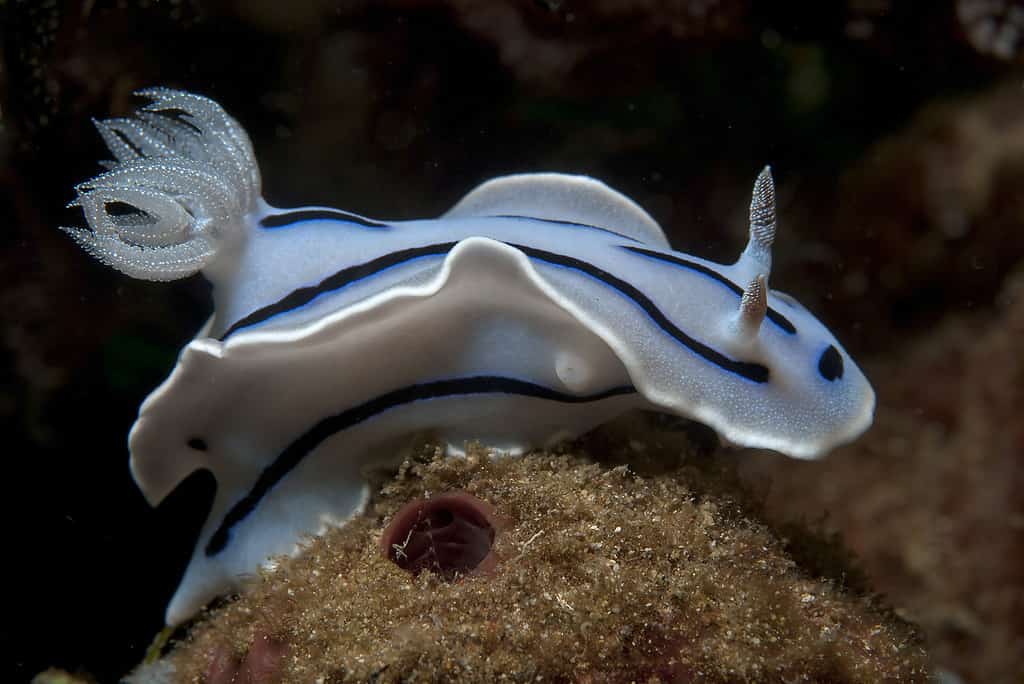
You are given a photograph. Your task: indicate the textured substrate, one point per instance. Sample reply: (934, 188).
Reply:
(603, 575)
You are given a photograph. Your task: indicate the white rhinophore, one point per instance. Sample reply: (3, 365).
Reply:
(753, 307)
(757, 256)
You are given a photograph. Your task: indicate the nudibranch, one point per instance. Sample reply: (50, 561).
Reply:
(538, 307)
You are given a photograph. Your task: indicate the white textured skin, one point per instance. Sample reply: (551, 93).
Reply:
(484, 308)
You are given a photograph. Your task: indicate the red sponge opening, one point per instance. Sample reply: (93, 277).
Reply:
(449, 534)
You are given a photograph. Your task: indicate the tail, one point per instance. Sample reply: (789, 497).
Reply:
(183, 179)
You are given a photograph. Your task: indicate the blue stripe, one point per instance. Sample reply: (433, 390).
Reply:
(298, 216)
(559, 222)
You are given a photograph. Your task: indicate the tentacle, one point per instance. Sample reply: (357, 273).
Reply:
(183, 179)
(160, 263)
(121, 148)
(752, 310)
(154, 220)
(234, 148)
(757, 256)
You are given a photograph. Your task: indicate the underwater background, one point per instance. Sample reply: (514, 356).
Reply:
(895, 131)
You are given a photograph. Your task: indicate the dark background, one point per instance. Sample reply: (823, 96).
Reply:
(395, 109)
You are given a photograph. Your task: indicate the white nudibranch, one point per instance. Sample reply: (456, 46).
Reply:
(538, 307)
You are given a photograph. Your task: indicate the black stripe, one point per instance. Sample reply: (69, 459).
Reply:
(293, 454)
(561, 222)
(751, 371)
(291, 217)
(754, 372)
(304, 295)
(773, 315)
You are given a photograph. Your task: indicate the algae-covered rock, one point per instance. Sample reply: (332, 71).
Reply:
(602, 574)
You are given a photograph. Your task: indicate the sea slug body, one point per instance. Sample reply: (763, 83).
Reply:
(538, 307)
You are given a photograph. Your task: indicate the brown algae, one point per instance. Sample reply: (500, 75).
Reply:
(599, 575)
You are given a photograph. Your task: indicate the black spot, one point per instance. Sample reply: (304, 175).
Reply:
(830, 365)
(197, 443)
